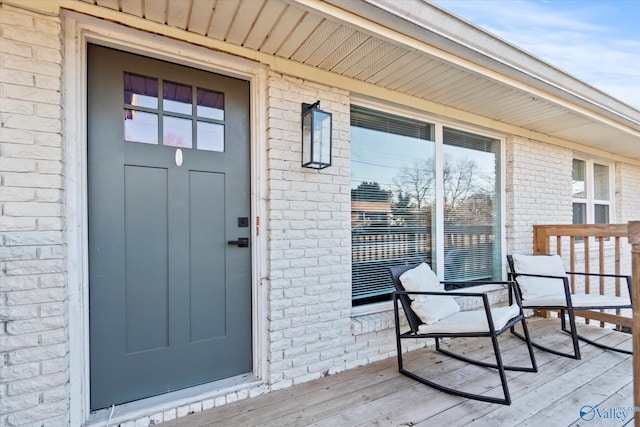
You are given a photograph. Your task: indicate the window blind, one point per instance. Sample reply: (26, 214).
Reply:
(375, 120)
(471, 206)
(391, 198)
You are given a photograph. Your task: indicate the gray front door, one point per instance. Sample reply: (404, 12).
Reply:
(168, 179)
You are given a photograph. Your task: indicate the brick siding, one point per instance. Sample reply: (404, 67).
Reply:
(33, 294)
(538, 190)
(309, 241)
(310, 329)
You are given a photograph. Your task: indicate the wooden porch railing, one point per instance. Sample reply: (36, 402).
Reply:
(634, 239)
(552, 239)
(589, 248)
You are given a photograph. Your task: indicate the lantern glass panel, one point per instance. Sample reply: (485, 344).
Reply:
(306, 139)
(322, 138)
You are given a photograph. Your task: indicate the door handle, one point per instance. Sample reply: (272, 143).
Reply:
(242, 242)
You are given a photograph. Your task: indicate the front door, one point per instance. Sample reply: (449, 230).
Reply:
(169, 215)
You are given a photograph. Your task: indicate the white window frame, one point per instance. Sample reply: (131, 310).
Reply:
(439, 124)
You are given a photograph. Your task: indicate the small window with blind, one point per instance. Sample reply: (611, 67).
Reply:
(471, 171)
(392, 199)
(591, 188)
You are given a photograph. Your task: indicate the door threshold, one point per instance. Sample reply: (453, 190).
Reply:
(131, 411)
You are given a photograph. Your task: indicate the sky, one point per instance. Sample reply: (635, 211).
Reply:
(596, 41)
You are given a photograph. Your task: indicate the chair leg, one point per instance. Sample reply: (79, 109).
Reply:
(503, 376)
(506, 400)
(490, 365)
(527, 337)
(574, 333)
(398, 341)
(606, 347)
(574, 339)
(597, 344)
(480, 397)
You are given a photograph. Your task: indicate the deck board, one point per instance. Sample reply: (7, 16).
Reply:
(377, 395)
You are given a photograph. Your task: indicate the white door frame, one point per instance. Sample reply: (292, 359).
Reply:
(79, 30)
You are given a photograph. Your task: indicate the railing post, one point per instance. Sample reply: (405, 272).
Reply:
(541, 244)
(634, 239)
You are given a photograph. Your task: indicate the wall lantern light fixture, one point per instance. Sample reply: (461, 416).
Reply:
(316, 136)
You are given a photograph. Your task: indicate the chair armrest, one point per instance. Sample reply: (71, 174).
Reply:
(580, 273)
(470, 284)
(444, 293)
(485, 298)
(538, 275)
(478, 286)
(617, 276)
(565, 284)
(458, 292)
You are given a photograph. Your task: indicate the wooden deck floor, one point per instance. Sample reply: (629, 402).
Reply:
(376, 394)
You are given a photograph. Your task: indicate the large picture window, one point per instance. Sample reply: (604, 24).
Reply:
(397, 187)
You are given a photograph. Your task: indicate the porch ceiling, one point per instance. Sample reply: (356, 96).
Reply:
(416, 49)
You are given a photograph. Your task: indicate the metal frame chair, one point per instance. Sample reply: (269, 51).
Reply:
(414, 322)
(566, 310)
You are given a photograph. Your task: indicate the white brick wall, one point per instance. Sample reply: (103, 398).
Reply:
(33, 321)
(310, 328)
(538, 190)
(309, 243)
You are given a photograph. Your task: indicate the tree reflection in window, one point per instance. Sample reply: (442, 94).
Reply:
(392, 198)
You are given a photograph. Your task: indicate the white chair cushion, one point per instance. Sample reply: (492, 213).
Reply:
(578, 300)
(472, 321)
(429, 308)
(421, 279)
(546, 265)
